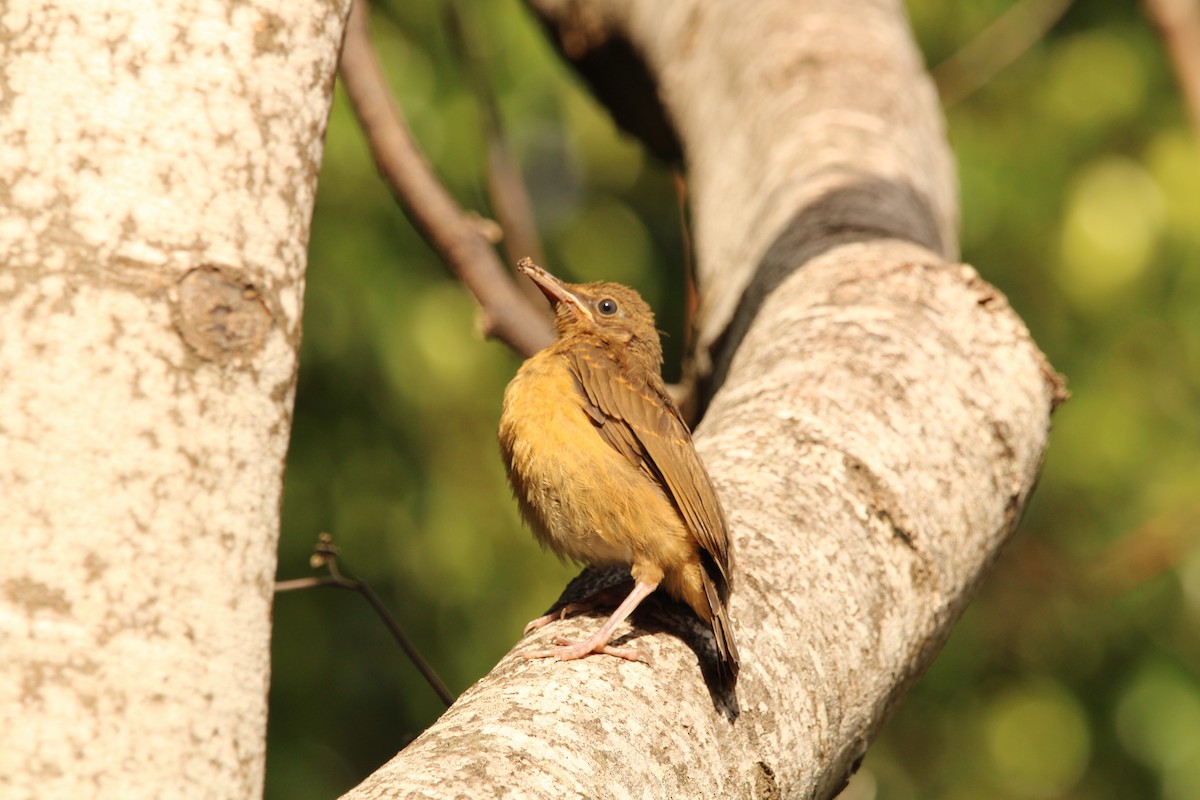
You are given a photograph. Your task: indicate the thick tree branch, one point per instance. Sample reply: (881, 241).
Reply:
(507, 314)
(160, 166)
(878, 423)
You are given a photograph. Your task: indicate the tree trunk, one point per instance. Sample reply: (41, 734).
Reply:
(159, 163)
(878, 423)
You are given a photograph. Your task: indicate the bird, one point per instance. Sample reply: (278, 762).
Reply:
(603, 468)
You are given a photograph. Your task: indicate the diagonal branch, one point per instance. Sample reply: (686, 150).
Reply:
(507, 314)
(507, 194)
(1000, 44)
(1179, 23)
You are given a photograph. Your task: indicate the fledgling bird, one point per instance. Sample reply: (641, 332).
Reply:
(602, 464)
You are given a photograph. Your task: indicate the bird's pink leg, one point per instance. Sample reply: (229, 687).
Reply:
(598, 642)
(610, 596)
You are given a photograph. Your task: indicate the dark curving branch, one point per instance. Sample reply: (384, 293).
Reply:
(507, 314)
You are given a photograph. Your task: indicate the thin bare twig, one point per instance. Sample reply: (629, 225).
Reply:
(326, 555)
(1004, 41)
(506, 313)
(1156, 546)
(1179, 23)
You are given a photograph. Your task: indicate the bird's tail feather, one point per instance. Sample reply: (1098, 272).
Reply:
(722, 631)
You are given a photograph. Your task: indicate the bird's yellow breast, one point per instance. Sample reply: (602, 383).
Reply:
(581, 497)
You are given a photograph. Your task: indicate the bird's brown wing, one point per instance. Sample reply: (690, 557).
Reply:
(634, 414)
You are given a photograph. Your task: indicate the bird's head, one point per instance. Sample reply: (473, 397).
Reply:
(610, 311)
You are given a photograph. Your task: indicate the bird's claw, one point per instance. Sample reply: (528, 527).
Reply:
(555, 616)
(544, 620)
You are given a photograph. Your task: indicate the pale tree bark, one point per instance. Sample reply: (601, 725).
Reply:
(878, 422)
(158, 164)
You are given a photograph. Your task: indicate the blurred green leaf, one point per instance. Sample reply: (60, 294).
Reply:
(1037, 740)
(1115, 218)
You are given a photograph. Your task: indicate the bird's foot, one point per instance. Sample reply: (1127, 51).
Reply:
(554, 616)
(569, 651)
(609, 596)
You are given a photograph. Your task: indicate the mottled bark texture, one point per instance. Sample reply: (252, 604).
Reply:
(158, 164)
(877, 425)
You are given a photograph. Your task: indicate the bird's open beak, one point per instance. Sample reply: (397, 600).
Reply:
(555, 290)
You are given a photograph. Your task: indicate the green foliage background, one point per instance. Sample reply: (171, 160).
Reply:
(1075, 673)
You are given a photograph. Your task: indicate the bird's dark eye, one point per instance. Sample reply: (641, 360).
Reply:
(607, 306)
